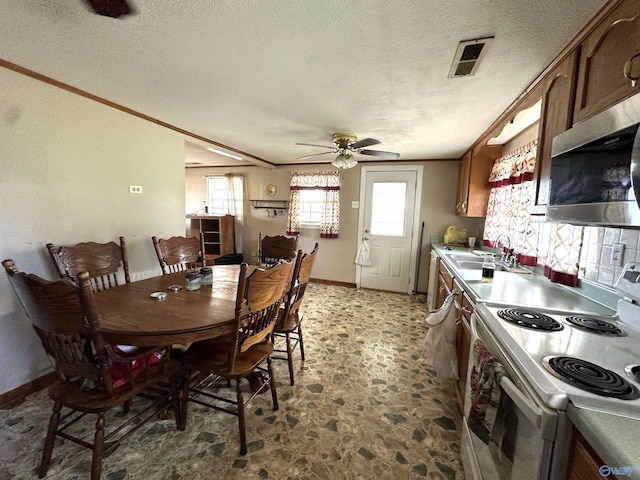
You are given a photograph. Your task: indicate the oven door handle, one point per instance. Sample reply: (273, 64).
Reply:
(524, 403)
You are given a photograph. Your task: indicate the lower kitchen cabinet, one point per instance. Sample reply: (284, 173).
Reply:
(584, 462)
(463, 344)
(445, 284)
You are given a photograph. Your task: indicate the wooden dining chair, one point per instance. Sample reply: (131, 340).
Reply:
(289, 324)
(93, 377)
(272, 250)
(243, 353)
(107, 263)
(178, 254)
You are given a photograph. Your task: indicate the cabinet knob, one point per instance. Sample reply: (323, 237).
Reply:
(627, 70)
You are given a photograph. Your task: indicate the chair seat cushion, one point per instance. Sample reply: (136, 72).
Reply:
(122, 372)
(75, 395)
(211, 356)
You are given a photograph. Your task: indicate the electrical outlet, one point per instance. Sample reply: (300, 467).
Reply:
(617, 254)
(355, 204)
(135, 189)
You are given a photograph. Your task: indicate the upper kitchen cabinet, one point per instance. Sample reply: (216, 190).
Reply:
(609, 61)
(556, 116)
(473, 189)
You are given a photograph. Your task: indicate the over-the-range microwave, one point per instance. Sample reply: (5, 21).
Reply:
(595, 169)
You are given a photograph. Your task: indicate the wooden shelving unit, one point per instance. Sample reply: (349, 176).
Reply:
(217, 234)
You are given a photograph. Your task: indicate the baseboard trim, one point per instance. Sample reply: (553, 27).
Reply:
(333, 282)
(16, 396)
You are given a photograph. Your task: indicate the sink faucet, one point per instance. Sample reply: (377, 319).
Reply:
(509, 259)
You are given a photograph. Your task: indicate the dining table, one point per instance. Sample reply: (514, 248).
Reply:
(138, 314)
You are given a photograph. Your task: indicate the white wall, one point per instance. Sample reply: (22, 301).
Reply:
(66, 166)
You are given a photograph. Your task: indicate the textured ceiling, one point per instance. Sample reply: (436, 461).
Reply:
(259, 76)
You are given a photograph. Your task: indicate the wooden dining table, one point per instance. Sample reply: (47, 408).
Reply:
(130, 315)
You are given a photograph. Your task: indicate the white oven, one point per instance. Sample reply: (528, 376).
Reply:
(527, 364)
(508, 432)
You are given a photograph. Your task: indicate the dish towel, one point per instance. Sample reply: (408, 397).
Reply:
(485, 412)
(363, 255)
(441, 351)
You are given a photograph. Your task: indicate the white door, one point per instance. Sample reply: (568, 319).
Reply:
(389, 200)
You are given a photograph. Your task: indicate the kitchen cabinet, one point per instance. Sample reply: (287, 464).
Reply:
(473, 190)
(584, 462)
(463, 183)
(217, 235)
(463, 338)
(558, 90)
(445, 284)
(609, 61)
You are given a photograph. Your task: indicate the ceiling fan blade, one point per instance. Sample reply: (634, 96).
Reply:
(365, 142)
(110, 8)
(313, 155)
(380, 154)
(321, 146)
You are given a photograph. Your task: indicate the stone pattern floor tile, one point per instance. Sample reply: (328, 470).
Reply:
(365, 405)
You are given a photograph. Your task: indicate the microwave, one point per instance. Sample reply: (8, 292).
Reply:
(595, 169)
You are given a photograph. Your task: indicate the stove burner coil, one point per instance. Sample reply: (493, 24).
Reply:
(633, 371)
(591, 378)
(594, 325)
(529, 319)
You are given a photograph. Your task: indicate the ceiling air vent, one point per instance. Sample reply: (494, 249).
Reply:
(468, 56)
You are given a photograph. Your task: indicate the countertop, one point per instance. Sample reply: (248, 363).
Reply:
(613, 437)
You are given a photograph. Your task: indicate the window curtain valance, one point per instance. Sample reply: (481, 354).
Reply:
(329, 182)
(315, 181)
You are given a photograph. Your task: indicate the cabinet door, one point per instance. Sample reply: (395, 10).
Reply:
(584, 462)
(556, 117)
(612, 45)
(463, 342)
(463, 184)
(445, 284)
(473, 189)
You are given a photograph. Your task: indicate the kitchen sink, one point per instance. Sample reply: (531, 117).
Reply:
(464, 257)
(477, 265)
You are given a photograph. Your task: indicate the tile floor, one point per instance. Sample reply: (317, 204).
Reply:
(365, 406)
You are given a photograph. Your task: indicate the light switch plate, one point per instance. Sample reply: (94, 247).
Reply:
(135, 189)
(617, 254)
(355, 204)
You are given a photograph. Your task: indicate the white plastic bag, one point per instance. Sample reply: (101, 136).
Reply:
(363, 256)
(441, 352)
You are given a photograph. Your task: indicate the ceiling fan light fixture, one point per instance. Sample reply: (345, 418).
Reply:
(344, 161)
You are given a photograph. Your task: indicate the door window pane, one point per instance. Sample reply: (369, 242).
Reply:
(388, 205)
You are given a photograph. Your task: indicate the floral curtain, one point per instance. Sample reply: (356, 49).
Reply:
(563, 254)
(556, 245)
(511, 182)
(329, 182)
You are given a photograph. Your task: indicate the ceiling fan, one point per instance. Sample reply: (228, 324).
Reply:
(111, 8)
(346, 145)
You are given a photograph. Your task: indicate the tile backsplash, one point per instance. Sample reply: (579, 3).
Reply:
(597, 248)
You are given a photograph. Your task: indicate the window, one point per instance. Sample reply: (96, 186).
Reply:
(311, 207)
(315, 201)
(225, 196)
(218, 195)
(388, 208)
